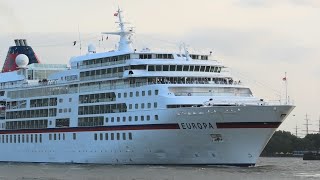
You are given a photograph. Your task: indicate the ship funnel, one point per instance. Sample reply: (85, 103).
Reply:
(17, 42)
(25, 42)
(21, 47)
(21, 42)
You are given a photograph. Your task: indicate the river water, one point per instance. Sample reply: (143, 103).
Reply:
(266, 168)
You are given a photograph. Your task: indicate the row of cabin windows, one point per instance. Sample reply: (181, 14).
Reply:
(43, 91)
(101, 72)
(142, 105)
(187, 80)
(27, 124)
(102, 109)
(65, 110)
(57, 136)
(31, 113)
(156, 56)
(21, 138)
(100, 97)
(138, 93)
(16, 104)
(113, 136)
(109, 72)
(200, 57)
(183, 105)
(61, 100)
(90, 121)
(125, 57)
(106, 59)
(131, 118)
(43, 102)
(184, 68)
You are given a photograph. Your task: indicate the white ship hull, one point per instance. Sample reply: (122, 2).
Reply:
(185, 136)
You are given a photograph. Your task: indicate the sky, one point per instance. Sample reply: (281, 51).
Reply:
(259, 40)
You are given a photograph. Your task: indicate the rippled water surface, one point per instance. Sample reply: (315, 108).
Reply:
(267, 168)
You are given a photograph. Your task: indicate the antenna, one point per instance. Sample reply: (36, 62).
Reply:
(79, 38)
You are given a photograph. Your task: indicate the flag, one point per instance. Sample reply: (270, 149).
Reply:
(74, 43)
(115, 14)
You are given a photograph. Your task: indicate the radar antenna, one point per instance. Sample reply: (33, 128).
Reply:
(125, 42)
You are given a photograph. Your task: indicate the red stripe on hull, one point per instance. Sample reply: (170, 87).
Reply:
(232, 125)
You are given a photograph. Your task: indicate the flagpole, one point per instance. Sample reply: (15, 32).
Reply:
(286, 81)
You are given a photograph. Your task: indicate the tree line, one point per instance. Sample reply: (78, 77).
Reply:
(285, 142)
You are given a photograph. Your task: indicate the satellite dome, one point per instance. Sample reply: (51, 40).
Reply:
(22, 60)
(91, 48)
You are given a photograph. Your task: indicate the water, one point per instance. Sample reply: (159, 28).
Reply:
(267, 168)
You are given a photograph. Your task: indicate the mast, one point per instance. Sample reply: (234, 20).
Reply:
(125, 42)
(296, 130)
(307, 124)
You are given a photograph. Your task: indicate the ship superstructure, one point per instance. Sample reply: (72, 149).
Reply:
(132, 107)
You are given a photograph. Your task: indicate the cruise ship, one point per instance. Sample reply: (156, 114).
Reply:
(130, 106)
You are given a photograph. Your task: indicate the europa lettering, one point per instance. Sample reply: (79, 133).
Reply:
(196, 126)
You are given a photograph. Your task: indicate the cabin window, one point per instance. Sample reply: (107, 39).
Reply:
(172, 67)
(118, 136)
(191, 68)
(151, 68)
(158, 67)
(179, 68)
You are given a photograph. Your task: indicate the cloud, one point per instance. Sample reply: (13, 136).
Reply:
(270, 3)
